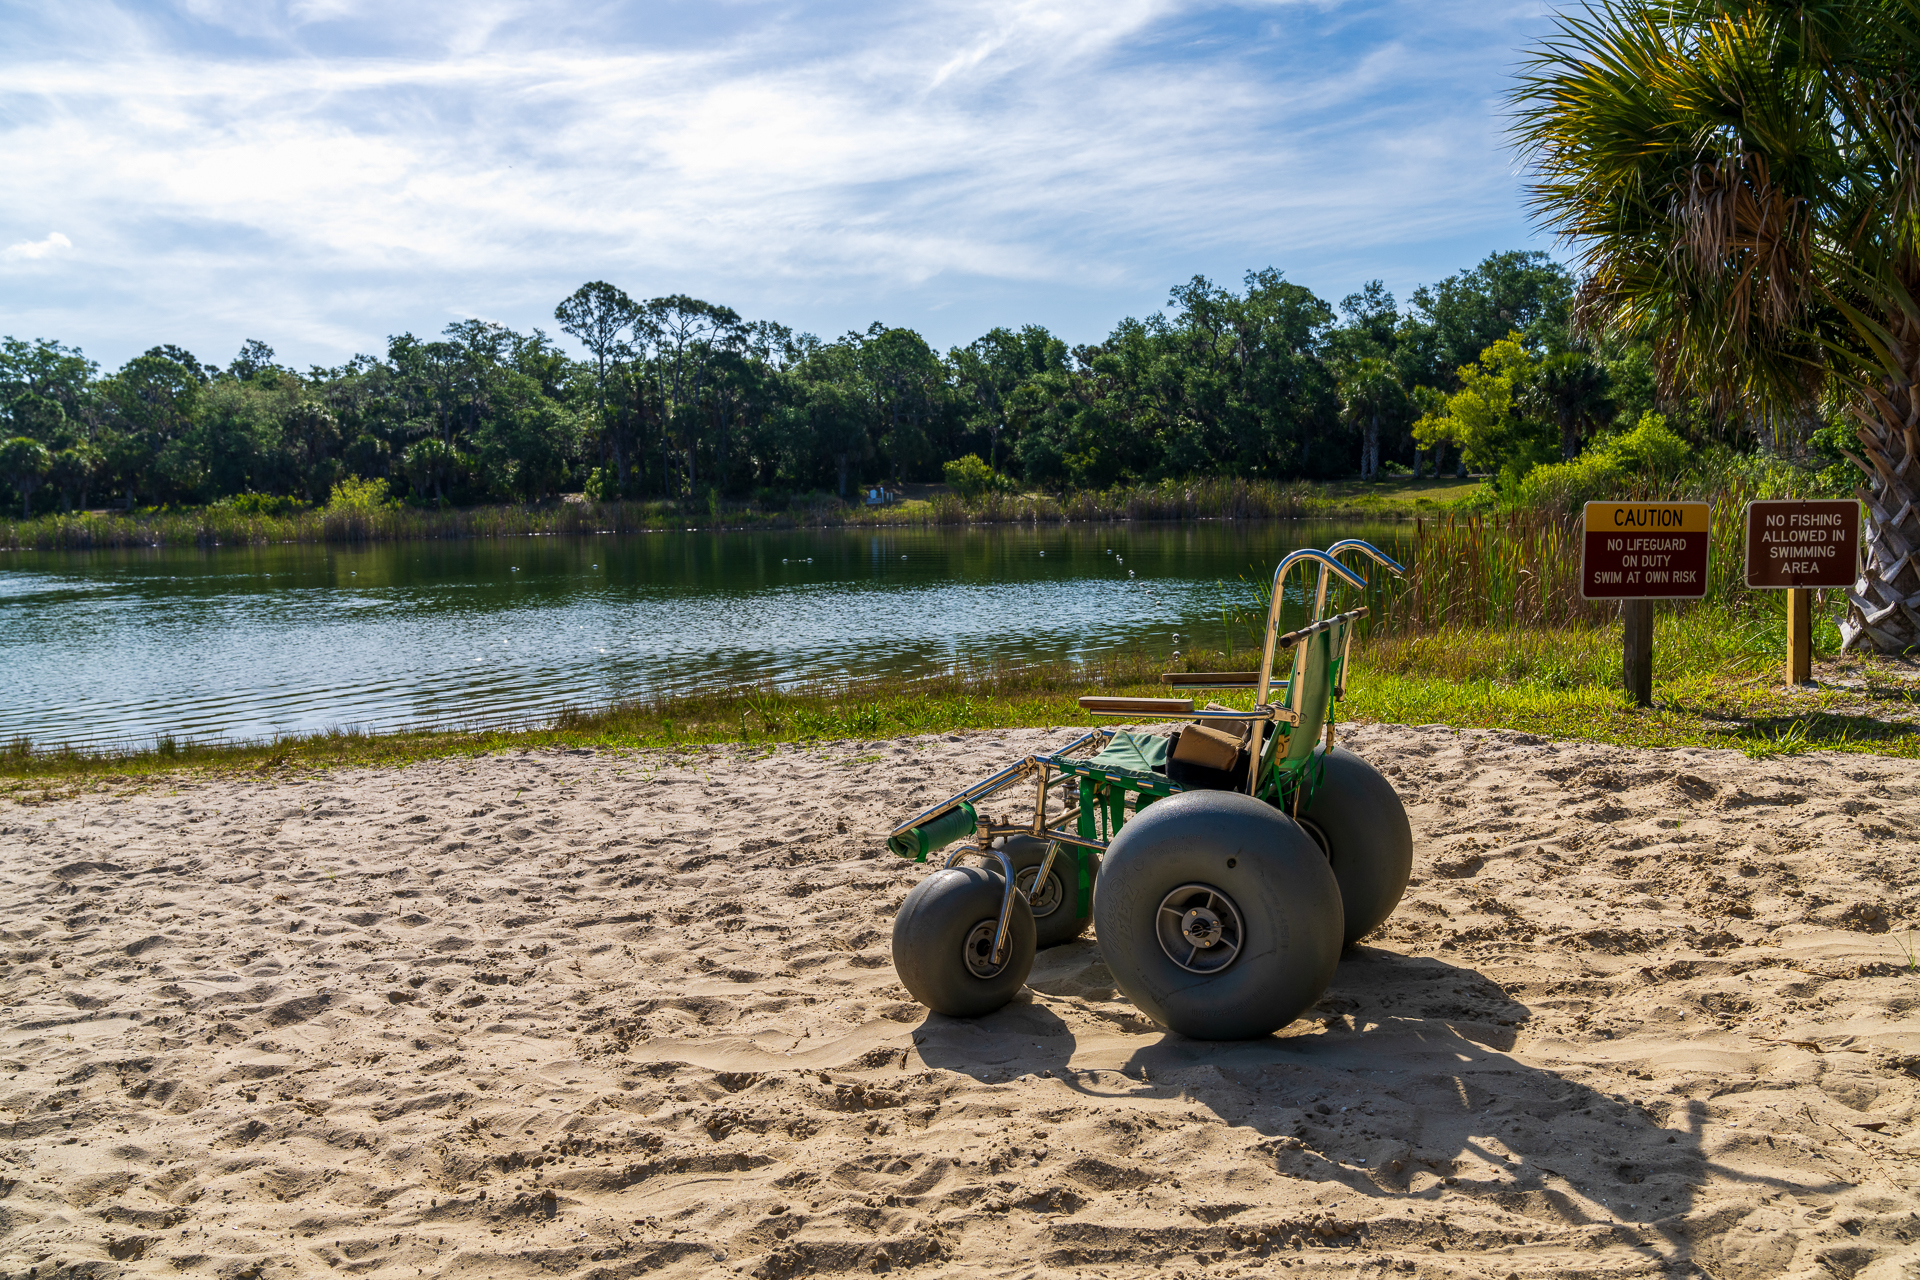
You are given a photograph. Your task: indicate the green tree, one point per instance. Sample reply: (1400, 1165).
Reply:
(255, 359)
(681, 337)
(239, 428)
(989, 369)
(73, 473)
(907, 383)
(602, 318)
(47, 391)
(1428, 406)
(1449, 324)
(1372, 318)
(311, 433)
(1741, 181)
(1369, 395)
(1487, 417)
(1573, 389)
(840, 415)
(527, 449)
(25, 462)
(152, 403)
(430, 463)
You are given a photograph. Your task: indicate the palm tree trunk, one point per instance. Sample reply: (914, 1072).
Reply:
(1884, 606)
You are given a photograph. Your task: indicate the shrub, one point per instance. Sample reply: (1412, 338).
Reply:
(1648, 450)
(1563, 486)
(360, 496)
(970, 477)
(1650, 453)
(261, 504)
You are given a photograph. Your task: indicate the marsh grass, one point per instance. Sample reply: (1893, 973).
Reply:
(1521, 567)
(224, 526)
(220, 525)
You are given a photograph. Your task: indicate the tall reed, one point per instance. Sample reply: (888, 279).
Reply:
(1520, 568)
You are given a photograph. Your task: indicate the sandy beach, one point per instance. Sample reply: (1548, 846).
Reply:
(604, 1014)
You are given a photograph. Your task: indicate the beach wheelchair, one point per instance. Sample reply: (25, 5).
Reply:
(1224, 865)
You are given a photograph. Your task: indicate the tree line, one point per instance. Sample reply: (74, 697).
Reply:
(683, 399)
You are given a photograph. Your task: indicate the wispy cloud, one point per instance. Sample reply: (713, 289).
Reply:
(31, 250)
(325, 172)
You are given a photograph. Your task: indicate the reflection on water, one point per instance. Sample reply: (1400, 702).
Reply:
(246, 642)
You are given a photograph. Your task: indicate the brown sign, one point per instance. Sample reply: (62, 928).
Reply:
(1803, 543)
(1644, 551)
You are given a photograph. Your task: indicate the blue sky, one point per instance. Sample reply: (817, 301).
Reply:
(320, 174)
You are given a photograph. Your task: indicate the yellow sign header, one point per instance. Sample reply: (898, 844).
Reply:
(1646, 517)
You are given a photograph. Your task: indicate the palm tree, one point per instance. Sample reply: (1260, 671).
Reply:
(1368, 389)
(1742, 183)
(1572, 387)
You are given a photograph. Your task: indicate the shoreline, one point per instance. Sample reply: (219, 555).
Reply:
(1862, 707)
(1215, 500)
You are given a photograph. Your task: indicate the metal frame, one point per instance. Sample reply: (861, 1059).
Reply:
(1076, 824)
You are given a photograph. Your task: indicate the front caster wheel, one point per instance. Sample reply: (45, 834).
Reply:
(1218, 915)
(1056, 904)
(943, 943)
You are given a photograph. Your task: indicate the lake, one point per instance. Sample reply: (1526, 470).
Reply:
(246, 642)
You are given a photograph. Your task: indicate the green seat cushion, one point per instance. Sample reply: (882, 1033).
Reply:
(1141, 752)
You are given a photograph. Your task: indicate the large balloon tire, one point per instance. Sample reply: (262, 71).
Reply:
(1357, 818)
(939, 919)
(1281, 892)
(1055, 915)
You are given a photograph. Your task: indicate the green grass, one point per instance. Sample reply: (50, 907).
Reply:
(1716, 685)
(1400, 497)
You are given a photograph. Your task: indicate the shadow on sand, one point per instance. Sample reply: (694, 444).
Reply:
(1400, 1086)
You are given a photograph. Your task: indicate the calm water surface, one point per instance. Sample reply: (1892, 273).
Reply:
(248, 642)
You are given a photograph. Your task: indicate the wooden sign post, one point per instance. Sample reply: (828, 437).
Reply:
(1799, 545)
(1636, 553)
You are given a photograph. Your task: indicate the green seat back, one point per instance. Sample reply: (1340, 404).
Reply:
(1318, 669)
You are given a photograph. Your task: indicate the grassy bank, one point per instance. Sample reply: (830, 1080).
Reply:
(1717, 685)
(1227, 499)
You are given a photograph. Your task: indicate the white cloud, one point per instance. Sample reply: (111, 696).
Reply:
(928, 165)
(35, 249)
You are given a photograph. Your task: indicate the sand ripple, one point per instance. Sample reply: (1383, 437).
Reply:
(605, 1014)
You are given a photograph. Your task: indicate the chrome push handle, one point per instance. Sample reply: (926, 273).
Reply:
(1358, 544)
(1310, 555)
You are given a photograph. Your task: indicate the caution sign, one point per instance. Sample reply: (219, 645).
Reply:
(1644, 551)
(1803, 543)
